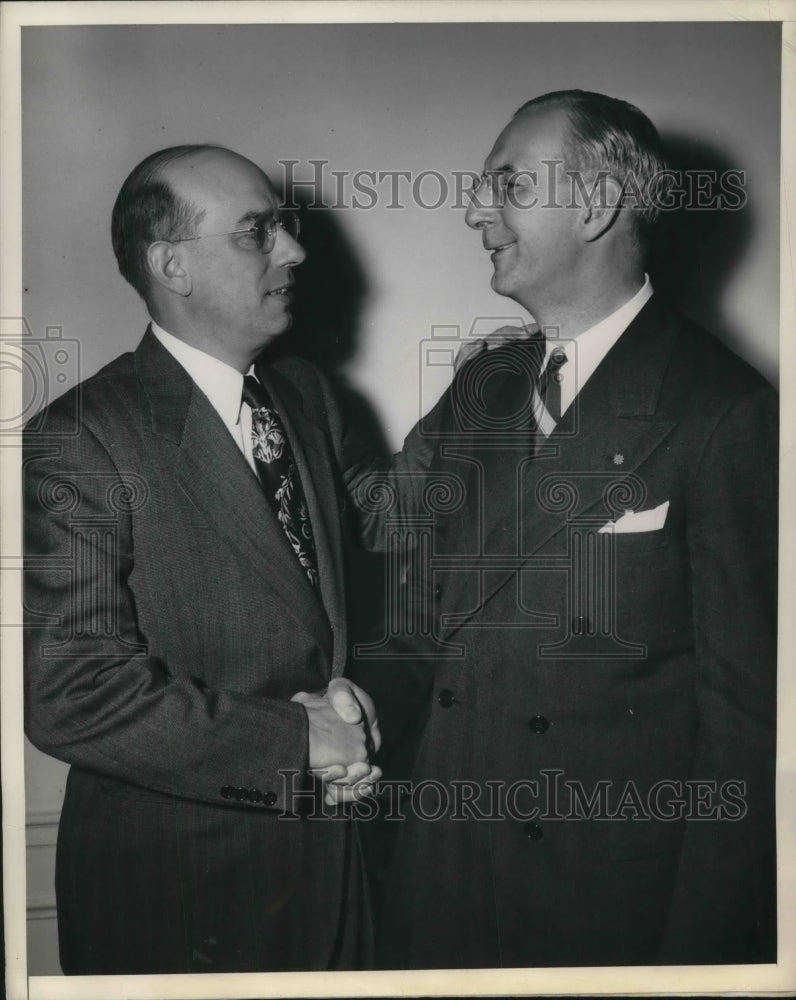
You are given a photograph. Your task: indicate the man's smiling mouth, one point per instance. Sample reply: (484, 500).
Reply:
(501, 248)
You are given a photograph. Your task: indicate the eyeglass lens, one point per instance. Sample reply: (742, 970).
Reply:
(266, 229)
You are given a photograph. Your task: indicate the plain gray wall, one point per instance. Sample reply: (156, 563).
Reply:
(96, 100)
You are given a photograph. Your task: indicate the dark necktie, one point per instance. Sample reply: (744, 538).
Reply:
(278, 475)
(550, 383)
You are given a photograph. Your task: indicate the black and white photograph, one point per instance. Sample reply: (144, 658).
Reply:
(397, 452)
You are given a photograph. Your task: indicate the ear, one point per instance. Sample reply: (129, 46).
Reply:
(603, 209)
(167, 268)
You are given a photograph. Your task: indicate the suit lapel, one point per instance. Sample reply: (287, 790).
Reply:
(311, 453)
(603, 450)
(215, 477)
(607, 434)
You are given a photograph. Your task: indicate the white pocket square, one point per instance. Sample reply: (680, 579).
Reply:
(634, 521)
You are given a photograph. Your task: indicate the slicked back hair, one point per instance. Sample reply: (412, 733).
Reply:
(608, 134)
(147, 209)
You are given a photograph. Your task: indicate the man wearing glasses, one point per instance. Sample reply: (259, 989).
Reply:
(185, 591)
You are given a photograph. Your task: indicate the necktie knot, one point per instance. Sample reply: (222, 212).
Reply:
(254, 393)
(550, 383)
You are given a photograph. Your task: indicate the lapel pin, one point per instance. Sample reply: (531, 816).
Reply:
(619, 459)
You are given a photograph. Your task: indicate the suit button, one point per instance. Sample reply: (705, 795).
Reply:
(539, 724)
(227, 792)
(239, 794)
(533, 831)
(254, 795)
(269, 799)
(446, 698)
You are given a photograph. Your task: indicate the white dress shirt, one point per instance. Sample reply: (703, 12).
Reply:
(586, 351)
(220, 382)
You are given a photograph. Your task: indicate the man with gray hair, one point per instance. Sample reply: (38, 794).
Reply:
(594, 783)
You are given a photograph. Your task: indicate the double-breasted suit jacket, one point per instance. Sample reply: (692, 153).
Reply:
(169, 623)
(594, 784)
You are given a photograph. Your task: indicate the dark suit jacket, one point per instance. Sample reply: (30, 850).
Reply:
(629, 668)
(169, 622)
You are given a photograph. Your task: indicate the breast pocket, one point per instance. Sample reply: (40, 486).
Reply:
(651, 588)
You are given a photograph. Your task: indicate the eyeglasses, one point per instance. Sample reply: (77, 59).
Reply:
(497, 183)
(262, 233)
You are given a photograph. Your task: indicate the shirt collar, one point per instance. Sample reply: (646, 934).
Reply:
(586, 351)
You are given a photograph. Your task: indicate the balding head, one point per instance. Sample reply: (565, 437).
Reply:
(198, 232)
(148, 208)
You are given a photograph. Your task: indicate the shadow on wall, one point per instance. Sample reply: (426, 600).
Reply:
(331, 289)
(331, 292)
(700, 245)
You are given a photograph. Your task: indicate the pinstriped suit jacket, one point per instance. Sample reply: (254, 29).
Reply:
(548, 664)
(168, 624)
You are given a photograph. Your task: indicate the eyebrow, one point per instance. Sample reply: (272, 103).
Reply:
(501, 173)
(256, 216)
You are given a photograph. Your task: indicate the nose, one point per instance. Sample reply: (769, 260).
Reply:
(287, 251)
(481, 210)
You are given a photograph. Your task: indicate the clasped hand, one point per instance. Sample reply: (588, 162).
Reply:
(343, 737)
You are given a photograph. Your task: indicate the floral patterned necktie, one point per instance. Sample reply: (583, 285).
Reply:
(278, 475)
